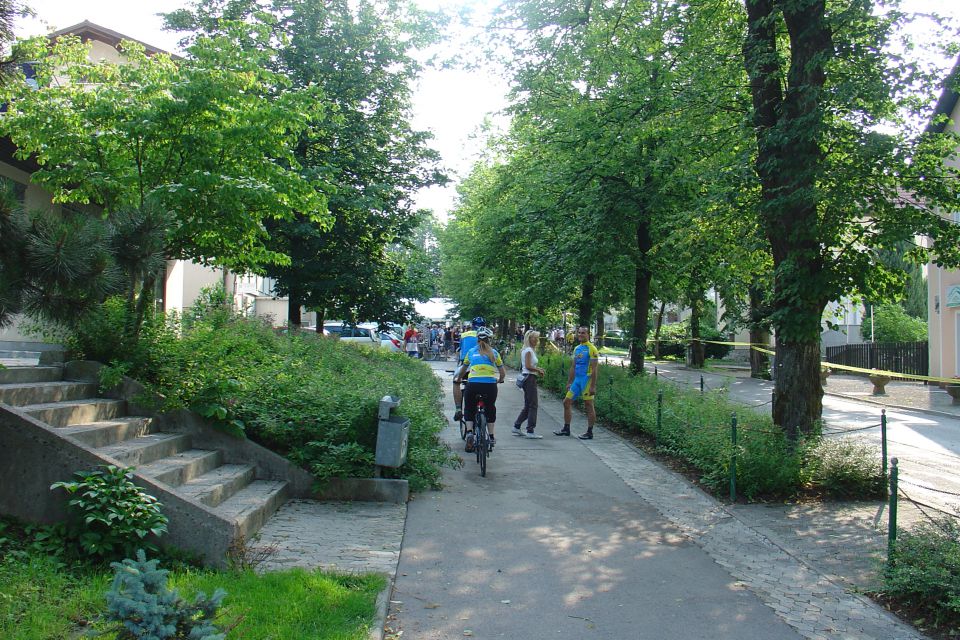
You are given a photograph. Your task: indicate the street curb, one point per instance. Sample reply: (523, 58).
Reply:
(377, 628)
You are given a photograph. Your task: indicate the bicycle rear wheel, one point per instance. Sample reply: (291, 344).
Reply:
(483, 442)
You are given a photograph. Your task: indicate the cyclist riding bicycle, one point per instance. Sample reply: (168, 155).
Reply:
(485, 370)
(468, 340)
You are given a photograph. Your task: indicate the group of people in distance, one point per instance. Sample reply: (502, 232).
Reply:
(483, 368)
(435, 337)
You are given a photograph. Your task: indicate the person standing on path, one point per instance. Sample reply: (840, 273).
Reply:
(529, 372)
(411, 344)
(582, 383)
(484, 370)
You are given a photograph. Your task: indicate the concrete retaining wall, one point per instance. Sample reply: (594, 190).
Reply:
(33, 456)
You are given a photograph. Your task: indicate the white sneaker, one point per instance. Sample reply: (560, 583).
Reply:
(516, 431)
(532, 435)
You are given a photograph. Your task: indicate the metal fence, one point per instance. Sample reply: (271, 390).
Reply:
(902, 357)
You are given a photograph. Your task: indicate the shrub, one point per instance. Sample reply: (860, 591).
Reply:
(675, 337)
(113, 516)
(924, 572)
(844, 467)
(310, 399)
(144, 607)
(695, 428)
(894, 324)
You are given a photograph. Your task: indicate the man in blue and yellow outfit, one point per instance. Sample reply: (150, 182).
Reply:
(582, 383)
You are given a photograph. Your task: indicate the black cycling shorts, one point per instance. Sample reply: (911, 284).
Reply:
(489, 392)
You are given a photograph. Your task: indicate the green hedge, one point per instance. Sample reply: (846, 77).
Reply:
(695, 429)
(309, 398)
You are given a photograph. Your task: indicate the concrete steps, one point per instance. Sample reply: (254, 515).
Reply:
(26, 393)
(65, 414)
(107, 432)
(15, 375)
(253, 505)
(229, 488)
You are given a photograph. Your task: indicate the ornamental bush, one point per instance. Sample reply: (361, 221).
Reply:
(311, 399)
(924, 572)
(112, 517)
(695, 428)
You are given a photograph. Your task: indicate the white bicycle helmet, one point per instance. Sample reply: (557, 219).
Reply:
(484, 334)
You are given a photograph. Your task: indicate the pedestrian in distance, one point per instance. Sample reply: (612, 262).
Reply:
(582, 383)
(484, 370)
(528, 373)
(411, 343)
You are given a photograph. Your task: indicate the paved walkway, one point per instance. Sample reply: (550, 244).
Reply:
(559, 542)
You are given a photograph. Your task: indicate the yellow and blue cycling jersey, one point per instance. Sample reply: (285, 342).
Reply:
(468, 341)
(482, 368)
(583, 356)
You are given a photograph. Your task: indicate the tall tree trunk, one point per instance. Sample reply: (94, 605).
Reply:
(696, 343)
(321, 316)
(294, 302)
(789, 130)
(641, 299)
(759, 334)
(143, 303)
(585, 310)
(797, 369)
(656, 332)
(598, 330)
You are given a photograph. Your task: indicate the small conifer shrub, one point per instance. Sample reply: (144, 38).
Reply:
(140, 602)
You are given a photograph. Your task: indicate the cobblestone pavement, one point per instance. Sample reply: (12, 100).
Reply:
(807, 599)
(352, 537)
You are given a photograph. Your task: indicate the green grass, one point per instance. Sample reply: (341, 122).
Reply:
(614, 351)
(43, 597)
(40, 599)
(291, 605)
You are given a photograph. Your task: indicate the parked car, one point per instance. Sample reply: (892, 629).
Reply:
(348, 333)
(391, 341)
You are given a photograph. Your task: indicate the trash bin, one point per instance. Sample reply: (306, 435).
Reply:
(393, 435)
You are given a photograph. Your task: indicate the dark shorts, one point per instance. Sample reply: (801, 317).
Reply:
(489, 392)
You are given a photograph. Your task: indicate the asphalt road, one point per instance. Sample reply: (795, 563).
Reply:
(553, 544)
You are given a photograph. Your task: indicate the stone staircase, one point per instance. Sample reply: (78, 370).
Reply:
(198, 473)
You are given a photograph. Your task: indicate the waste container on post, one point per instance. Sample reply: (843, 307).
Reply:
(393, 434)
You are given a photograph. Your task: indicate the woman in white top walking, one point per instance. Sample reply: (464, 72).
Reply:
(529, 371)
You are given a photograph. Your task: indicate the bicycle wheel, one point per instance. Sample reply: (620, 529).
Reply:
(463, 429)
(483, 442)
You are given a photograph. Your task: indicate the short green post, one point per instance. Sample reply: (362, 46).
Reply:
(701, 384)
(892, 519)
(659, 416)
(883, 440)
(733, 458)
(655, 372)
(610, 385)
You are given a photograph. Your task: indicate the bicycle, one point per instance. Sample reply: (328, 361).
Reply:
(463, 422)
(482, 444)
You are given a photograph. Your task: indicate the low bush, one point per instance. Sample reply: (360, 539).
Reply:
(675, 337)
(844, 468)
(695, 429)
(923, 577)
(111, 516)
